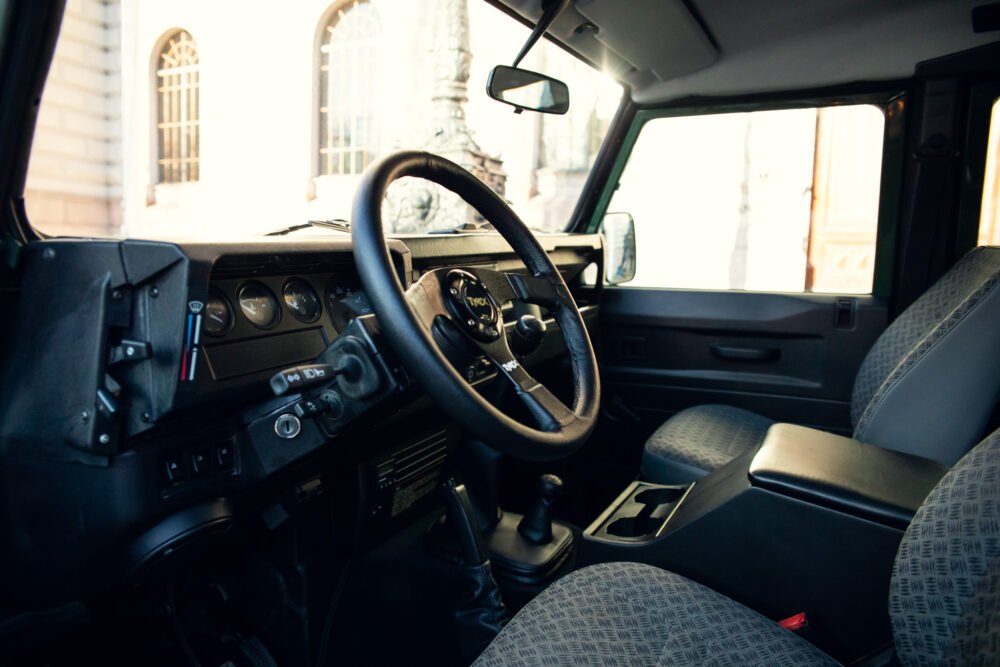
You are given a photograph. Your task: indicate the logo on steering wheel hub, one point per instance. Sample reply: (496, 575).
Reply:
(473, 305)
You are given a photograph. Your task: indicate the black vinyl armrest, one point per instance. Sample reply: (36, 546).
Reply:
(844, 474)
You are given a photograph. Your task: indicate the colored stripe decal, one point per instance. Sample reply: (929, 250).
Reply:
(194, 362)
(184, 352)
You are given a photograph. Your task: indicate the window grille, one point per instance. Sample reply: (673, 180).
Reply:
(348, 124)
(177, 115)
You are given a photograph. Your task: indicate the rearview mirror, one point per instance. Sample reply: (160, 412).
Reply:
(523, 89)
(619, 248)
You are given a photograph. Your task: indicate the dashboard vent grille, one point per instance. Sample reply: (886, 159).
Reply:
(243, 266)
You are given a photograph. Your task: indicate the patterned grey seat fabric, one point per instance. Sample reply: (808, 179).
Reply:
(940, 358)
(700, 439)
(632, 614)
(944, 599)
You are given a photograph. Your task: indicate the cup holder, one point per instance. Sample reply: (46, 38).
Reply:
(643, 512)
(669, 494)
(633, 526)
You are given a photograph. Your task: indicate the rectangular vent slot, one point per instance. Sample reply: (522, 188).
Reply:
(245, 266)
(414, 461)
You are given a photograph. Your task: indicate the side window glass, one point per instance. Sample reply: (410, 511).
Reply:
(779, 200)
(989, 216)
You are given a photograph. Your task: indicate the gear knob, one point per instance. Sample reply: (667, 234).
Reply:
(536, 526)
(550, 486)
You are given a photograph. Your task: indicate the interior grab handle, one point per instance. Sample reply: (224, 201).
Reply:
(732, 353)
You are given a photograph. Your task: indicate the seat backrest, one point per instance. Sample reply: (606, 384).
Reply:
(944, 598)
(931, 381)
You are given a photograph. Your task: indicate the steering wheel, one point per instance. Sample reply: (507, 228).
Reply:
(471, 298)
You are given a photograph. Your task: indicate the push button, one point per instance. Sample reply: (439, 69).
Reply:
(173, 470)
(225, 457)
(309, 407)
(200, 463)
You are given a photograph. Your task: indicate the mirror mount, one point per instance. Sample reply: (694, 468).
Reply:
(524, 89)
(551, 9)
(619, 248)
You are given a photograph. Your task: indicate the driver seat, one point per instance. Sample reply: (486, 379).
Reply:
(944, 599)
(937, 359)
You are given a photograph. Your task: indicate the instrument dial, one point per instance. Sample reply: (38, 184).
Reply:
(344, 302)
(302, 300)
(259, 305)
(218, 316)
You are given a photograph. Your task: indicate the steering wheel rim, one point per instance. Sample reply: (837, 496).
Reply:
(403, 316)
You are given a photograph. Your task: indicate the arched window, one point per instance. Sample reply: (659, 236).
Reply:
(177, 114)
(348, 125)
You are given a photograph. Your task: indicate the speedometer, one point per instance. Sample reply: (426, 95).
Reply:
(345, 301)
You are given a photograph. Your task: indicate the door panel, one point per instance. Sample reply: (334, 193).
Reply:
(792, 357)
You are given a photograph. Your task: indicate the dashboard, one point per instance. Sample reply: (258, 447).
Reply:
(147, 400)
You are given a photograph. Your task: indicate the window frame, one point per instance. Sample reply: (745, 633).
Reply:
(982, 98)
(161, 47)
(333, 15)
(893, 103)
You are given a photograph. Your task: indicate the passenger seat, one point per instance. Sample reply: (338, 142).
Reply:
(927, 387)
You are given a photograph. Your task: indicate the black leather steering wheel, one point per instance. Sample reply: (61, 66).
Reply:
(471, 298)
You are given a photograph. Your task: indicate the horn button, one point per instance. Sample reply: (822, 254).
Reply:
(473, 306)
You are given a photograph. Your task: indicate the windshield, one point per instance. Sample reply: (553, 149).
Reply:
(186, 119)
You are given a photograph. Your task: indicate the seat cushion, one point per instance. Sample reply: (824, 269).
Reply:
(698, 440)
(632, 614)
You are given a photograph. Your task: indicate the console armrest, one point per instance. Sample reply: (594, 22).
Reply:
(843, 474)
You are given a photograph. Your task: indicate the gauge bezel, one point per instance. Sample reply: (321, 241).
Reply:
(216, 293)
(276, 320)
(334, 312)
(315, 293)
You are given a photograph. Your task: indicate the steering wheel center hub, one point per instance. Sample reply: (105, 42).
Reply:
(473, 306)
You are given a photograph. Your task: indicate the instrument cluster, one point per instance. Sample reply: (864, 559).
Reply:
(232, 305)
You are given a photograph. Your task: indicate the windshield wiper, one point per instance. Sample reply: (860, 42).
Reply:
(465, 228)
(337, 224)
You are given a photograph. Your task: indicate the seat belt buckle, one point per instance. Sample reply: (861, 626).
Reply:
(795, 623)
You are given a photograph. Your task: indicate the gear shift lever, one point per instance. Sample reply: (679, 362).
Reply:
(479, 612)
(536, 526)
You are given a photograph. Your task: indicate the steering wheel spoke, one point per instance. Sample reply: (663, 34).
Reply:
(426, 298)
(538, 290)
(549, 412)
(504, 286)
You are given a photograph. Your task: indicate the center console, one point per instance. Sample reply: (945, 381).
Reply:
(809, 522)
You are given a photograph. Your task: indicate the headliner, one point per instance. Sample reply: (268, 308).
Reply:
(660, 49)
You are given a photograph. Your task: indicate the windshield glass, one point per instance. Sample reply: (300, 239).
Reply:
(180, 118)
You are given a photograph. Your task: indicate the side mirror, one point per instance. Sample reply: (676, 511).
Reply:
(619, 248)
(523, 89)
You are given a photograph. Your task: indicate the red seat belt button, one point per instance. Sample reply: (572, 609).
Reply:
(794, 623)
